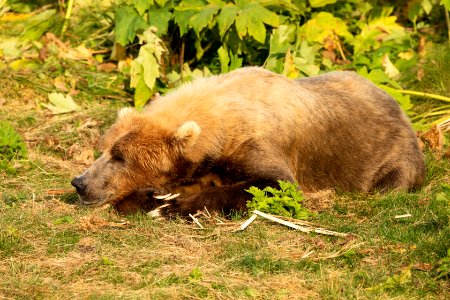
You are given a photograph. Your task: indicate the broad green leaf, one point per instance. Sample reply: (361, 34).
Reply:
(295, 7)
(160, 18)
(145, 69)
(9, 48)
(258, 12)
(282, 38)
(60, 104)
(141, 94)
(389, 67)
(257, 30)
(224, 59)
(142, 5)
(251, 19)
(242, 23)
(308, 69)
(377, 31)
(308, 53)
(446, 3)
(161, 2)
(150, 66)
(236, 61)
(320, 3)
(324, 26)
(427, 6)
(128, 22)
(226, 18)
(37, 25)
(24, 64)
(414, 9)
(182, 18)
(203, 18)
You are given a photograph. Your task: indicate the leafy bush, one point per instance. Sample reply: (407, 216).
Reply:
(284, 202)
(296, 38)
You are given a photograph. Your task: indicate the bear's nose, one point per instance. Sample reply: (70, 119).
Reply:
(78, 183)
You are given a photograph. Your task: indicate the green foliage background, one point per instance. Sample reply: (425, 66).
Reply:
(159, 43)
(379, 39)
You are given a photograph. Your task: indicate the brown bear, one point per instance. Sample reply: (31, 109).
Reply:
(212, 139)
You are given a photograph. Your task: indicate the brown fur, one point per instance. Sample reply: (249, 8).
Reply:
(253, 127)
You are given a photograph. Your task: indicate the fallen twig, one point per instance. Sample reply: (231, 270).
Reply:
(403, 216)
(298, 227)
(248, 222)
(308, 253)
(196, 221)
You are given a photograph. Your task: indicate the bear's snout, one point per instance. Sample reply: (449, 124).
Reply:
(79, 184)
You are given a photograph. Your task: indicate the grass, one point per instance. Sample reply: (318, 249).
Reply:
(51, 248)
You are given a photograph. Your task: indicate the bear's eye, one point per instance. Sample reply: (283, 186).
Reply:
(117, 156)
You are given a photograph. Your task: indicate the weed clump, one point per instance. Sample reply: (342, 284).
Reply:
(285, 202)
(11, 146)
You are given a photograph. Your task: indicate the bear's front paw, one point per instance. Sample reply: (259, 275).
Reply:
(171, 205)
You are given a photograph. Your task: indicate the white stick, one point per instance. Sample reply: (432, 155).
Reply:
(403, 216)
(196, 221)
(283, 222)
(207, 212)
(297, 227)
(248, 222)
(307, 254)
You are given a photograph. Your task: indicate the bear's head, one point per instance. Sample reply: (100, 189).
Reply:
(138, 152)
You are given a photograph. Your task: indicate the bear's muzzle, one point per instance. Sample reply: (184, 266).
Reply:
(79, 184)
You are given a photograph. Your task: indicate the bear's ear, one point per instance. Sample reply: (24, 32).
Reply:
(125, 112)
(188, 133)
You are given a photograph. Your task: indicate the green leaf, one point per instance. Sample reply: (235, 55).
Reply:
(446, 3)
(376, 32)
(324, 26)
(160, 18)
(226, 18)
(320, 3)
(203, 18)
(142, 5)
(284, 202)
(60, 104)
(9, 48)
(182, 19)
(282, 38)
(37, 25)
(224, 59)
(161, 2)
(236, 61)
(145, 69)
(183, 13)
(150, 66)
(128, 23)
(141, 94)
(251, 19)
